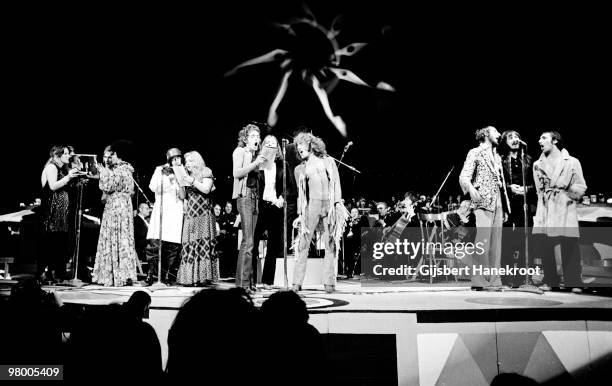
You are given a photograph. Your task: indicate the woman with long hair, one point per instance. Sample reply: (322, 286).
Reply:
(199, 263)
(271, 217)
(54, 180)
(116, 257)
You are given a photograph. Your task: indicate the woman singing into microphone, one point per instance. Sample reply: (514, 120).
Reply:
(54, 180)
(116, 257)
(199, 265)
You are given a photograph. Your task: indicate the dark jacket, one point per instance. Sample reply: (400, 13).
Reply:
(140, 234)
(531, 192)
(291, 184)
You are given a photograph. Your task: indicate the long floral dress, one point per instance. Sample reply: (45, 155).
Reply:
(116, 257)
(199, 263)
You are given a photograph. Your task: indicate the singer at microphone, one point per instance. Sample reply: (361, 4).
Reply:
(511, 148)
(166, 224)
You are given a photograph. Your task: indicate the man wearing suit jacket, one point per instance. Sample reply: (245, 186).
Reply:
(271, 216)
(483, 179)
(514, 234)
(141, 227)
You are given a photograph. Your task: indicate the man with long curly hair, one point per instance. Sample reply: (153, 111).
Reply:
(320, 208)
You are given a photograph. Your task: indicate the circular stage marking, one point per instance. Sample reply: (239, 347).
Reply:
(311, 302)
(524, 302)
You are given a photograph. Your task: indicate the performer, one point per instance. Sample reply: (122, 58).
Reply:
(141, 228)
(116, 255)
(319, 208)
(483, 179)
(271, 215)
(199, 263)
(560, 184)
(54, 213)
(461, 223)
(106, 156)
(514, 233)
(246, 193)
(352, 243)
(169, 195)
(227, 241)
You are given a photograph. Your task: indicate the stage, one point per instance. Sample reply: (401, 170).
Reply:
(427, 335)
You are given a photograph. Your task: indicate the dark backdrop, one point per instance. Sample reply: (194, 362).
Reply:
(154, 75)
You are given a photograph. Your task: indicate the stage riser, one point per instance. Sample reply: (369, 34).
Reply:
(470, 353)
(314, 271)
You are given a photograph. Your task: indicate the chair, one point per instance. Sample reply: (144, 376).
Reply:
(432, 231)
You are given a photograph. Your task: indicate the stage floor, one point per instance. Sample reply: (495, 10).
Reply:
(427, 335)
(350, 296)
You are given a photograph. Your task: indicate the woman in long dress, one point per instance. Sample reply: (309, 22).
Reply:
(116, 257)
(199, 263)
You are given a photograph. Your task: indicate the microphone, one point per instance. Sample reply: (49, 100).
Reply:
(522, 143)
(348, 145)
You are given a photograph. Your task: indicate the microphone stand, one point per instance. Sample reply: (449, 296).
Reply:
(345, 165)
(343, 255)
(527, 286)
(284, 144)
(75, 282)
(141, 192)
(354, 175)
(159, 283)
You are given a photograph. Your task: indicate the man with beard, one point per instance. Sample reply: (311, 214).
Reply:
(483, 179)
(514, 233)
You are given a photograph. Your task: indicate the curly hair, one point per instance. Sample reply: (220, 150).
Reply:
(483, 133)
(315, 144)
(244, 133)
(57, 151)
(124, 150)
(199, 164)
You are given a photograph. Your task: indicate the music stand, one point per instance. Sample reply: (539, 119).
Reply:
(89, 165)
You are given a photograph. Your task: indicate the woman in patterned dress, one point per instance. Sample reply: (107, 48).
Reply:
(116, 257)
(199, 263)
(54, 207)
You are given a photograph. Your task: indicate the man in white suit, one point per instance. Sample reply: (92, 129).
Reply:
(167, 211)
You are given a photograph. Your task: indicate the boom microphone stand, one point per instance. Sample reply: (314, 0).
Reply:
(527, 285)
(160, 284)
(141, 192)
(284, 144)
(75, 282)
